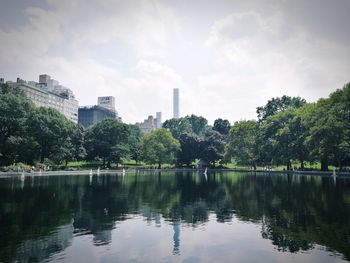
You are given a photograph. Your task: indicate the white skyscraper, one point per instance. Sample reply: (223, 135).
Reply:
(158, 120)
(106, 102)
(176, 100)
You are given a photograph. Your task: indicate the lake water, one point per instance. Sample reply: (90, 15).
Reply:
(175, 217)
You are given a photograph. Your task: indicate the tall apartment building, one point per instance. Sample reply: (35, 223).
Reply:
(90, 115)
(48, 93)
(151, 123)
(158, 120)
(105, 109)
(176, 101)
(108, 102)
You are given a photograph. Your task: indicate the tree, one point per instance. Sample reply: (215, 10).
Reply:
(222, 126)
(329, 130)
(190, 149)
(178, 126)
(276, 105)
(78, 140)
(52, 133)
(108, 140)
(135, 142)
(282, 133)
(199, 124)
(15, 109)
(159, 147)
(243, 143)
(212, 147)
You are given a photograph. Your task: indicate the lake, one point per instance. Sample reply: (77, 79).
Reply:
(175, 217)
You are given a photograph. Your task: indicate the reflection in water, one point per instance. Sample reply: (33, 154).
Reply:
(40, 216)
(176, 237)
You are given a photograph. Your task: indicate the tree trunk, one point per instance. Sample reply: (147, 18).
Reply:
(324, 165)
(104, 162)
(159, 165)
(302, 167)
(254, 165)
(288, 165)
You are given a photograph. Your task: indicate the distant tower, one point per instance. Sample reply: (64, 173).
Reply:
(159, 120)
(107, 102)
(176, 103)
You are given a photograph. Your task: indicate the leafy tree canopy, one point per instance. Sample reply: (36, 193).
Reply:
(159, 147)
(222, 126)
(108, 140)
(276, 105)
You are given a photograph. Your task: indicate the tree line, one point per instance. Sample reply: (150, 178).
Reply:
(287, 129)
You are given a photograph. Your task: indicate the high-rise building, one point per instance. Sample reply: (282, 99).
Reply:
(151, 123)
(158, 120)
(176, 98)
(106, 102)
(90, 115)
(48, 93)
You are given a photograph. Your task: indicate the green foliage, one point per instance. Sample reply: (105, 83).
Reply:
(178, 126)
(14, 112)
(189, 124)
(198, 123)
(222, 126)
(52, 133)
(159, 147)
(190, 149)
(108, 140)
(276, 105)
(328, 129)
(212, 148)
(78, 140)
(243, 143)
(135, 142)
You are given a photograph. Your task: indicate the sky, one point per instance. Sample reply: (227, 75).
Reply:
(226, 57)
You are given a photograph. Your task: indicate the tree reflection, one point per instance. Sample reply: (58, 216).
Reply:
(295, 212)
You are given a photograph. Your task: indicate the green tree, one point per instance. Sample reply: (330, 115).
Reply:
(135, 142)
(243, 143)
(281, 133)
(222, 126)
(52, 133)
(328, 137)
(178, 126)
(276, 105)
(159, 147)
(15, 109)
(199, 124)
(78, 140)
(190, 149)
(212, 147)
(107, 140)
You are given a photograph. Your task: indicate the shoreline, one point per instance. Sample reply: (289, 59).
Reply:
(148, 170)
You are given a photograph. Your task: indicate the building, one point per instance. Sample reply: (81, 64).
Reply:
(176, 98)
(106, 102)
(158, 120)
(90, 115)
(48, 93)
(151, 123)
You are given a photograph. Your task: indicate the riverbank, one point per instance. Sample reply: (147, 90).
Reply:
(148, 170)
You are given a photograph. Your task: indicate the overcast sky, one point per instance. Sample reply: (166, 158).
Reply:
(226, 57)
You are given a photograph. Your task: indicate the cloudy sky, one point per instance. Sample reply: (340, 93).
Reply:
(226, 57)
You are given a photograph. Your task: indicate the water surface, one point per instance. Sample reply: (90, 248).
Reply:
(175, 217)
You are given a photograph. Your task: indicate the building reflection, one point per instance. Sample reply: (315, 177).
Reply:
(285, 207)
(176, 238)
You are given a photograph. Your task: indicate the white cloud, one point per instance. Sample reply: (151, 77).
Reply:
(226, 61)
